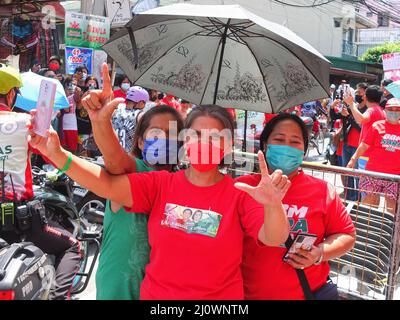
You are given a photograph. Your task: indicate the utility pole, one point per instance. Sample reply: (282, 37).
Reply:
(96, 8)
(87, 6)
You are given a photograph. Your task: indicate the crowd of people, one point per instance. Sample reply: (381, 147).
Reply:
(354, 116)
(197, 233)
(74, 125)
(191, 219)
(366, 121)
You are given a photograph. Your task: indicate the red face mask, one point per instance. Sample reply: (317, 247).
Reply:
(54, 66)
(204, 157)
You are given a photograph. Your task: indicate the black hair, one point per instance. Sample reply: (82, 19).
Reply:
(43, 71)
(198, 211)
(218, 113)
(362, 85)
(212, 111)
(144, 123)
(121, 79)
(92, 78)
(81, 68)
(386, 82)
(67, 81)
(57, 58)
(374, 94)
(150, 92)
(270, 126)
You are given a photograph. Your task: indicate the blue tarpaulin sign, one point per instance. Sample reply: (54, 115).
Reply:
(76, 57)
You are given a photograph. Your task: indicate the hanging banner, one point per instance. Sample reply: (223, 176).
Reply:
(119, 12)
(391, 65)
(75, 57)
(86, 30)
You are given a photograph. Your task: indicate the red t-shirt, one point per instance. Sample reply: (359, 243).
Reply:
(376, 113)
(197, 259)
(232, 112)
(268, 117)
(384, 142)
(339, 151)
(119, 94)
(4, 107)
(353, 138)
(312, 207)
(170, 101)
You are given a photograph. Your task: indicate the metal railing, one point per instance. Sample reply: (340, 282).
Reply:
(349, 48)
(378, 35)
(370, 269)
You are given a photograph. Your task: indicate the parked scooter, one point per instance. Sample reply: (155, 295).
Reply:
(90, 206)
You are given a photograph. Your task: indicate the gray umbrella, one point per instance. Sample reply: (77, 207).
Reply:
(220, 54)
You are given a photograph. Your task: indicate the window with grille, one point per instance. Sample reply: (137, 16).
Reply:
(383, 20)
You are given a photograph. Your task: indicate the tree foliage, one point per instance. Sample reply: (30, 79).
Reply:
(375, 54)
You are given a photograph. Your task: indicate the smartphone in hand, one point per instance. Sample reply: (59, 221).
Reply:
(301, 240)
(44, 107)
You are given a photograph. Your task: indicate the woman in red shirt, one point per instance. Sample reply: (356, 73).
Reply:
(209, 246)
(383, 144)
(124, 83)
(312, 207)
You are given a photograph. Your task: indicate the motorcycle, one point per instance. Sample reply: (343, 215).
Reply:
(90, 206)
(25, 271)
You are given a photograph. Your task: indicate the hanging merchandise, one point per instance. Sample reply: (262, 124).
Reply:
(23, 36)
(19, 37)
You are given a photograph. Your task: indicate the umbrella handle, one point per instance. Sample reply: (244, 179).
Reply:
(134, 47)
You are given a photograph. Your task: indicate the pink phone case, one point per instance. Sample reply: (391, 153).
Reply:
(44, 107)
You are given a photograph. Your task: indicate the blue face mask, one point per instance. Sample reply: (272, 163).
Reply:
(158, 151)
(125, 86)
(286, 158)
(392, 116)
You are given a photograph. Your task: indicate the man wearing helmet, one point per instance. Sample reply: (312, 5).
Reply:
(7, 100)
(47, 235)
(10, 81)
(127, 116)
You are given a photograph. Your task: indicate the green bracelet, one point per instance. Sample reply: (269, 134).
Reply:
(67, 165)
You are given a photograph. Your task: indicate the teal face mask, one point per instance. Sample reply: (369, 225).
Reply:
(392, 116)
(285, 158)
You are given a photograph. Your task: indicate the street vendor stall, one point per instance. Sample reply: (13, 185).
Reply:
(28, 31)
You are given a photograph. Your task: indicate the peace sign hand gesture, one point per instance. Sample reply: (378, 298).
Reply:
(96, 102)
(271, 189)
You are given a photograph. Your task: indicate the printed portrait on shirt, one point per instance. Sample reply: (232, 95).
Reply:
(191, 220)
(391, 142)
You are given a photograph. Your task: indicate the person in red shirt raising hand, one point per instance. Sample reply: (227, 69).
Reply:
(383, 144)
(209, 246)
(312, 207)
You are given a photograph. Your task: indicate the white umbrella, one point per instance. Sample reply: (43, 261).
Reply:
(220, 54)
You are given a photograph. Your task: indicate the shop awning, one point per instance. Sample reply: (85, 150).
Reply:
(30, 8)
(354, 74)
